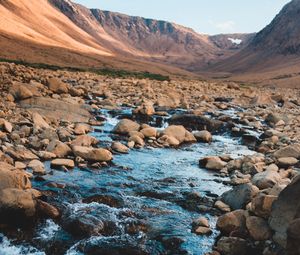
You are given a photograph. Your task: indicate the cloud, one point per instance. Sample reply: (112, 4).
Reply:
(224, 27)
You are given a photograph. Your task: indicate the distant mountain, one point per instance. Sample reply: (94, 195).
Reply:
(275, 49)
(64, 33)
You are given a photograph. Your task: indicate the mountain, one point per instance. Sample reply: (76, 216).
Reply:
(64, 33)
(273, 54)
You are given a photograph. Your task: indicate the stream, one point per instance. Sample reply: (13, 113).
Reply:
(144, 203)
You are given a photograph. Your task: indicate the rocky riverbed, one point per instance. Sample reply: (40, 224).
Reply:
(99, 165)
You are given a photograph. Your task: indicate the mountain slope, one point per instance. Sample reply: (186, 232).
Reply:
(275, 48)
(62, 32)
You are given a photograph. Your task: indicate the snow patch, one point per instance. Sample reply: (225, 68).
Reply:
(235, 41)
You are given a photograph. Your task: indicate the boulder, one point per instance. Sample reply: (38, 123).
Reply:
(287, 162)
(238, 197)
(20, 91)
(17, 179)
(92, 154)
(261, 205)
(37, 167)
(149, 132)
(285, 210)
(196, 122)
(212, 163)
(57, 86)
(125, 126)
(38, 121)
(232, 221)
(222, 206)
(166, 140)
(289, 151)
(258, 228)
(180, 133)
(293, 237)
(119, 147)
(232, 246)
(82, 129)
(6, 126)
(203, 136)
(138, 141)
(58, 163)
(84, 140)
(60, 149)
(145, 109)
(266, 179)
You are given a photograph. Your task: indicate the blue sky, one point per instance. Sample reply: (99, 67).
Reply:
(204, 16)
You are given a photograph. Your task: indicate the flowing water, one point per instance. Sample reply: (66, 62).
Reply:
(155, 192)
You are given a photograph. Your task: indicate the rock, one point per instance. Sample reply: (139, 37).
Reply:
(125, 126)
(232, 246)
(57, 86)
(258, 228)
(293, 237)
(13, 179)
(287, 162)
(58, 163)
(238, 197)
(289, 151)
(266, 179)
(20, 91)
(273, 118)
(84, 140)
(232, 221)
(47, 209)
(39, 122)
(145, 109)
(222, 206)
(21, 154)
(112, 200)
(285, 210)
(119, 147)
(203, 231)
(16, 204)
(196, 122)
(203, 136)
(57, 109)
(7, 126)
(202, 222)
(46, 155)
(180, 133)
(212, 163)
(61, 150)
(82, 129)
(138, 141)
(261, 205)
(149, 132)
(37, 167)
(92, 154)
(166, 140)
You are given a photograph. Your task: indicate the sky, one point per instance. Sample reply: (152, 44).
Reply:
(204, 16)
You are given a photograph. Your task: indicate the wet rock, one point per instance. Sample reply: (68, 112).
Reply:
(232, 221)
(92, 154)
(145, 109)
(149, 132)
(58, 163)
(232, 246)
(203, 136)
(138, 141)
(119, 147)
(203, 231)
(125, 126)
(113, 200)
(47, 209)
(285, 210)
(222, 206)
(261, 205)
(212, 163)
(57, 86)
(196, 122)
(166, 140)
(239, 196)
(15, 205)
(180, 134)
(258, 228)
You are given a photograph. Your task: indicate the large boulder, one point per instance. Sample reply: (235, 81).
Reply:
(125, 126)
(289, 151)
(238, 197)
(14, 179)
(285, 210)
(196, 122)
(232, 221)
(266, 179)
(57, 86)
(92, 154)
(179, 133)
